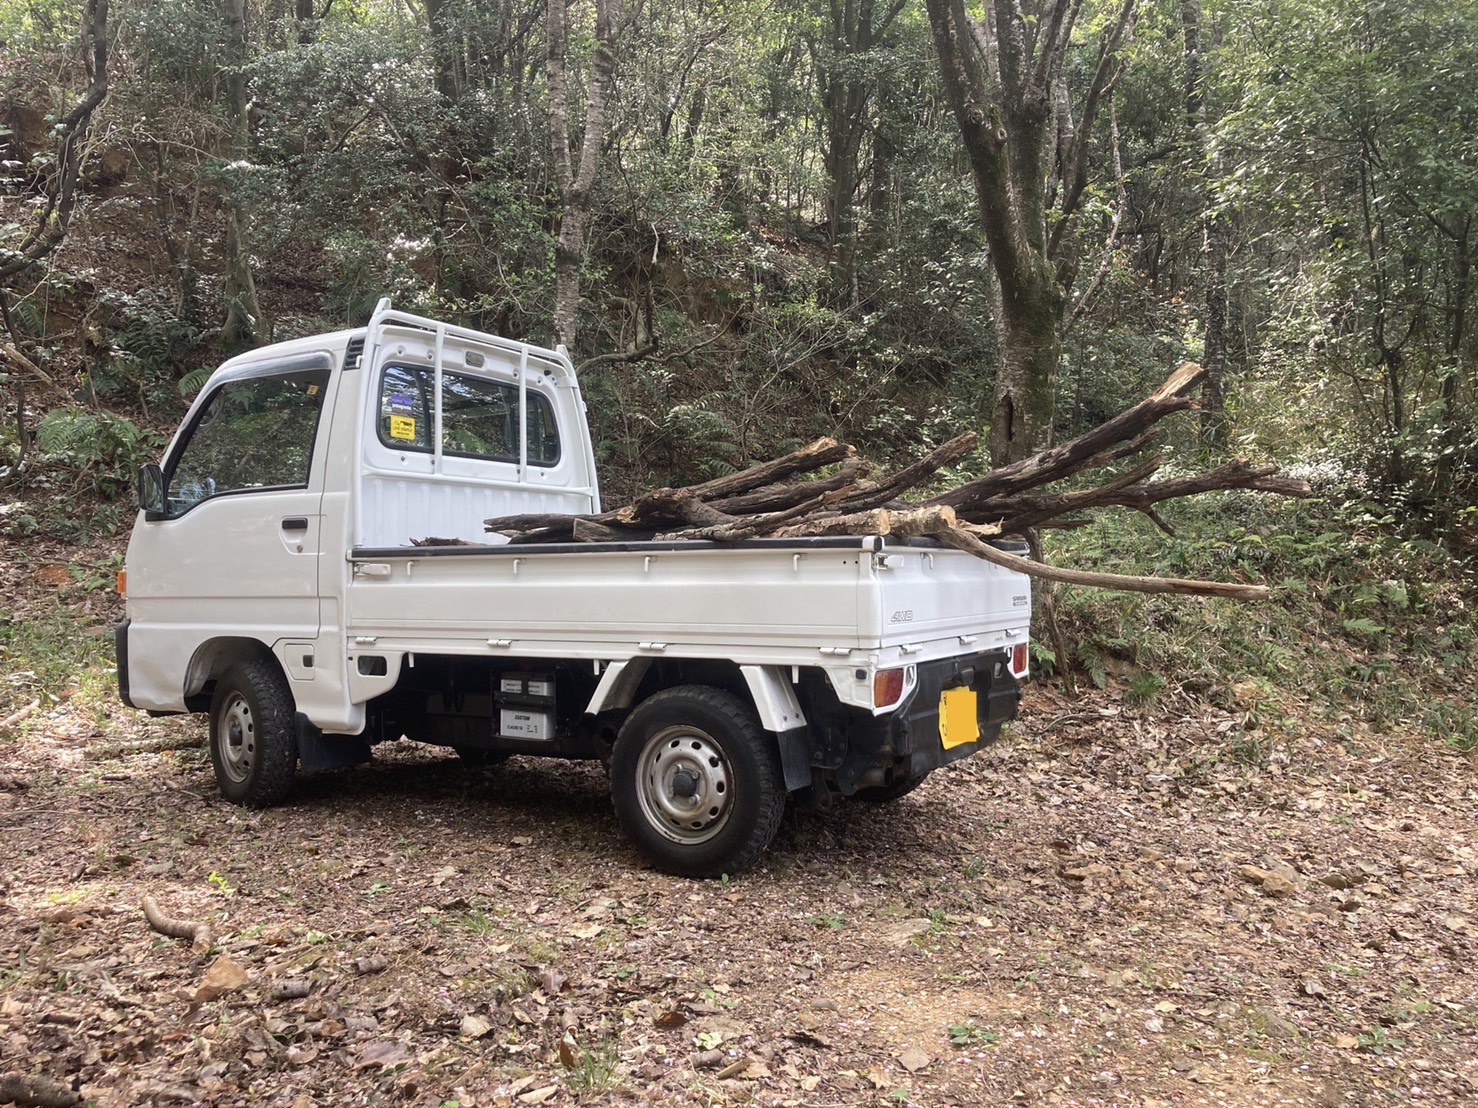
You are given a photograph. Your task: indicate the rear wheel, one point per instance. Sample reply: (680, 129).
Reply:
(252, 743)
(697, 783)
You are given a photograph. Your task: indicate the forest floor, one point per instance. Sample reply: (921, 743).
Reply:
(1117, 904)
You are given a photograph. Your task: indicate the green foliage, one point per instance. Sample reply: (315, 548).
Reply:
(967, 1034)
(44, 648)
(1350, 127)
(101, 449)
(1362, 623)
(154, 344)
(37, 25)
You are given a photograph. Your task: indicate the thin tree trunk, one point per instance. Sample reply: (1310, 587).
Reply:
(243, 311)
(50, 221)
(1214, 431)
(1457, 327)
(576, 177)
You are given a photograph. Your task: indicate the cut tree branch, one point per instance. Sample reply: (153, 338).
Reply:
(758, 502)
(197, 933)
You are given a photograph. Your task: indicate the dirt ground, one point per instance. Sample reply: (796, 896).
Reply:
(1106, 908)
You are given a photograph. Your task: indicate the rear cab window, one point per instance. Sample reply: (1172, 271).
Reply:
(479, 418)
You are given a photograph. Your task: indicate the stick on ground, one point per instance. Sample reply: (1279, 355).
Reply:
(197, 933)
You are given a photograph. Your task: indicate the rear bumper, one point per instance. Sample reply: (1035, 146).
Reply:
(856, 750)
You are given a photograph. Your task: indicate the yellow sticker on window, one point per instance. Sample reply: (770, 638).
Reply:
(402, 427)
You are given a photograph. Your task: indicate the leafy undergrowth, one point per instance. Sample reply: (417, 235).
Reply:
(1220, 887)
(1365, 626)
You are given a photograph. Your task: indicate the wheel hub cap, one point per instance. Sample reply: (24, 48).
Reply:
(685, 791)
(239, 739)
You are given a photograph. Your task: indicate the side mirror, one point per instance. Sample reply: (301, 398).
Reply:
(151, 491)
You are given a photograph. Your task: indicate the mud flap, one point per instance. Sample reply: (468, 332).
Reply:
(320, 753)
(795, 758)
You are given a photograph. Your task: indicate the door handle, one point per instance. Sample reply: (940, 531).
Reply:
(295, 523)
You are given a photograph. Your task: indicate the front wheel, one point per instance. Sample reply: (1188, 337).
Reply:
(252, 744)
(696, 782)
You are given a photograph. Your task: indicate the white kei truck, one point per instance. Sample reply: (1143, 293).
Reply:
(272, 583)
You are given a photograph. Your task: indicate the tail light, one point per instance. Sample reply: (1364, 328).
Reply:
(887, 687)
(1019, 660)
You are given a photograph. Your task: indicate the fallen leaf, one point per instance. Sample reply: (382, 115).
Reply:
(539, 1096)
(222, 977)
(553, 981)
(733, 1069)
(904, 931)
(567, 1056)
(1346, 1042)
(913, 1059)
(476, 1027)
(382, 1053)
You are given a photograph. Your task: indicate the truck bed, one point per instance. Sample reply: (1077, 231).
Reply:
(764, 601)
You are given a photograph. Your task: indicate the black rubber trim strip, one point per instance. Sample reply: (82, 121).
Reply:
(120, 650)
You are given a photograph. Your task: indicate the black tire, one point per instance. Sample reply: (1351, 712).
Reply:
(706, 740)
(884, 794)
(253, 745)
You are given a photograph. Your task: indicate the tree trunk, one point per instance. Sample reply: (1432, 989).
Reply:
(1215, 434)
(49, 223)
(1456, 342)
(1003, 79)
(243, 311)
(576, 178)
(444, 50)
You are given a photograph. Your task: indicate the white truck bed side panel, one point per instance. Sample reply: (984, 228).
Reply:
(730, 601)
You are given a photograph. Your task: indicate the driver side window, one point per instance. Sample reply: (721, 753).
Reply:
(252, 434)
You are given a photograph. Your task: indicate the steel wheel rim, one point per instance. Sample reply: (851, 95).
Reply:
(238, 738)
(673, 760)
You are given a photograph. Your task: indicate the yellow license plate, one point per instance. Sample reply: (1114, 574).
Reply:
(958, 723)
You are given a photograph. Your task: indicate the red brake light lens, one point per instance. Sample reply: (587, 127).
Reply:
(1019, 660)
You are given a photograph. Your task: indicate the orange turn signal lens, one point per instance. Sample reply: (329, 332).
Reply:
(887, 687)
(122, 584)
